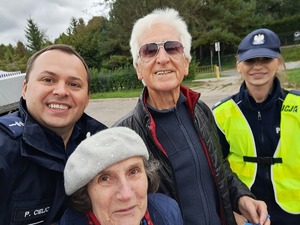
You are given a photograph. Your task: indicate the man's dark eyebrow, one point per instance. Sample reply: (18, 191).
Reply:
(56, 75)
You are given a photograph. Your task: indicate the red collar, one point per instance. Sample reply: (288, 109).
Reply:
(93, 220)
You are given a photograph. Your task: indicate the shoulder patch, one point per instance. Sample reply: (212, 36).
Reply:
(295, 92)
(221, 101)
(12, 125)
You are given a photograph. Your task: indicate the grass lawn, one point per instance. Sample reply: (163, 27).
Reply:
(117, 94)
(293, 79)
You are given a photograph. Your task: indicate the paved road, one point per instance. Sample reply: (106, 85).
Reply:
(108, 111)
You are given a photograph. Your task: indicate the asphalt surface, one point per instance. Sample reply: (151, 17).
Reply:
(108, 111)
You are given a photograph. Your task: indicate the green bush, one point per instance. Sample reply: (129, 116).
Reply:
(192, 71)
(116, 61)
(114, 80)
(125, 78)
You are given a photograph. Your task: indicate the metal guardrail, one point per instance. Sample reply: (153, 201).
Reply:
(209, 70)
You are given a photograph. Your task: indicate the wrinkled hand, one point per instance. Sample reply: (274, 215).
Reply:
(239, 219)
(255, 211)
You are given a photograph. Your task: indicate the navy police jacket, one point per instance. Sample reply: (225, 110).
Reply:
(32, 160)
(163, 210)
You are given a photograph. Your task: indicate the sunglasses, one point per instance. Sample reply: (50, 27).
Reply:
(259, 59)
(150, 50)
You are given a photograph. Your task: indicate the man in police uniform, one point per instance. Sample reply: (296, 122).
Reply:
(36, 141)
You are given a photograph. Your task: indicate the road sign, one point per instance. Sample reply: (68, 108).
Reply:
(217, 46)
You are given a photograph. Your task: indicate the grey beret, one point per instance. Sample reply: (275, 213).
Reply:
(100, 151)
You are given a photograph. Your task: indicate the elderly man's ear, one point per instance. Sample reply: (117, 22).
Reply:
(186, 67)
(138, 72)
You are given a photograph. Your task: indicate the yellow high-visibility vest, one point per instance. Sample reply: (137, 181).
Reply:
(285, 175)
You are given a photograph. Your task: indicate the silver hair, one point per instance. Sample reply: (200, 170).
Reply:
(166, 16)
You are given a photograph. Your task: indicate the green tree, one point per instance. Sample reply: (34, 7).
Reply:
(86, 39)
(269, 10)
(73, 26)
(20, 57)
(36, 38)
(68, 37)
(225, 21)
(2, 51)
(20, 50)
(116, 36)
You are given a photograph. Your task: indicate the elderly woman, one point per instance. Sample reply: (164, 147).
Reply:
(108, 179)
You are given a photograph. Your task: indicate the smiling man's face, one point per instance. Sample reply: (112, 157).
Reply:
(56, 92)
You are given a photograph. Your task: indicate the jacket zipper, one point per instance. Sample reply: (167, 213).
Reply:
(259, 118)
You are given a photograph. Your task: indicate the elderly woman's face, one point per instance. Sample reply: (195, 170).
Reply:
(119, 193)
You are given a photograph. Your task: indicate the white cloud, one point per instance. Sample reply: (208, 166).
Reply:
(53, 17)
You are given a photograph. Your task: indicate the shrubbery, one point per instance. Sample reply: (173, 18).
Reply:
(114, 80)
(123, 79)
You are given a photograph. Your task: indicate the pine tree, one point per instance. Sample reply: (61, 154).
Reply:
(35, 37)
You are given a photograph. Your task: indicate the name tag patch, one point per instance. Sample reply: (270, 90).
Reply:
(22, 214)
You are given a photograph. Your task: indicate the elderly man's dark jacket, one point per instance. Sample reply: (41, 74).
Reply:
(229, 187)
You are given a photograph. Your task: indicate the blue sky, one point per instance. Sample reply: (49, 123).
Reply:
(52, 16)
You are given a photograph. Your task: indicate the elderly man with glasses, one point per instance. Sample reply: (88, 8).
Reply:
(179, 130)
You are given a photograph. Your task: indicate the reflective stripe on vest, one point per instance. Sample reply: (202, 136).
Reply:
(286, 175)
